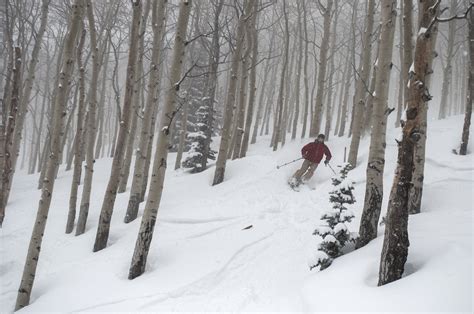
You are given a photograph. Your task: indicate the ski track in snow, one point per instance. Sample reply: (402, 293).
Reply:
(201, 259)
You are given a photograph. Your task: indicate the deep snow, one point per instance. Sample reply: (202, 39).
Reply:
(202, 259)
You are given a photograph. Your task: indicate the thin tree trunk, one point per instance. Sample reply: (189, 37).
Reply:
(59, 108)
(252, 42)
(305, 72)
(330, 87)
(341, 94)
(103, 228)
(361, 86)
(14, 147)
(407, 44)
(76, 176)
(147, 225)
(130, 135)
(376, 161)
(100, 135)
(97, 58)
(242, 100)
(280, 100)
(323, 52)
(298, 75)
(448, 68)
(182, 135)
(230, 101)
(470, 87)
(370, 100)
(10, 131)
(151, 105)
(401, 77)
(261, 108)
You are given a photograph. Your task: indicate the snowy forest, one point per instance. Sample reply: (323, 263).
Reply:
(236, 155)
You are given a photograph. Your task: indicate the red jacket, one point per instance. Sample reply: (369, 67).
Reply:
(314, 152)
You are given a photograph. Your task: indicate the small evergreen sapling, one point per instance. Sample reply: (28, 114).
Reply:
(197, 152)
(334, 232)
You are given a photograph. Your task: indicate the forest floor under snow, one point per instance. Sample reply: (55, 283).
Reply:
(201, 259)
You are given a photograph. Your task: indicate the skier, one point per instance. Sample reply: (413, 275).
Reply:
(312, 154)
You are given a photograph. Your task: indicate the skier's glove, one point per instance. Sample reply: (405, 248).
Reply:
(326, 162)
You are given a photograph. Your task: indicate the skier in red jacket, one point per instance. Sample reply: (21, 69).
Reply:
(312, 154)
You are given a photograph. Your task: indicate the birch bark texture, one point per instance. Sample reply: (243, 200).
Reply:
(376, 161)
(396, 242)
(13, 146)
(59, 109)
(231, 97)
(76, 176)
(145, 234)
(158, 25)
(103, 228)
(91, 118)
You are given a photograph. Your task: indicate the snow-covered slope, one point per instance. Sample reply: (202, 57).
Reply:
(202, 259)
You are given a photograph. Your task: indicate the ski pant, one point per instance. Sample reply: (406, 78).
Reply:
(306, 171)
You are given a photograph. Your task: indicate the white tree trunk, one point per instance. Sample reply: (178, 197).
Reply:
(230, 100)
(396, 242)
(376, 160)
(323, 52)
(103, 228)
(361, 86)
(158, 22)
(29, 271)
(147, 225)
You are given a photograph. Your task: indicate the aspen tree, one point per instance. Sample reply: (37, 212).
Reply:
(349, 75)
(330, 88)
(158, 18)
(11, 123)
(242, 99)
(260, 104)
(91, 118)
(305, 69)
(361, 83)
(376, 161)
(59, 108)
(395, 245)
(341, 93)
(416, 189)
(448, 67)
(252, 42)
(230, 98)
(76, 176)
(470, 85)
(323, 52)
(137, 87)
(103, 228)
(145, 234)
(280, 100)
(9, 164)
(401, 81)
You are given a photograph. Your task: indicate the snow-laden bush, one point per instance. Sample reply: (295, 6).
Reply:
(334, 232)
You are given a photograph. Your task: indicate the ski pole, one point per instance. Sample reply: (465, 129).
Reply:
(290, 162)
(332, 169)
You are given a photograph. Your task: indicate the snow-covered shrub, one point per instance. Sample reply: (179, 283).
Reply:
(334, 232)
